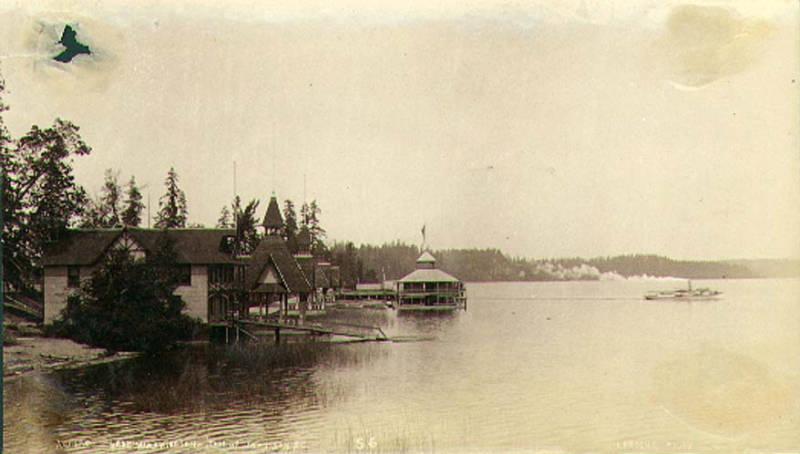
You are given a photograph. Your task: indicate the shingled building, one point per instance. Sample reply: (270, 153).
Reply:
(216, 282)
(208, 268)
(273, 274)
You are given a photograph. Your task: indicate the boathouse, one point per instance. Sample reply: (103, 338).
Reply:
(273, 274)
(429, 288)
(210, 272)
(322, 276)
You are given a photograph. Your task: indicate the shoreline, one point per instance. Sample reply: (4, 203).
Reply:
(33, 354)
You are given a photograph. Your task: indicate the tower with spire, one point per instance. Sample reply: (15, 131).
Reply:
(273, 221)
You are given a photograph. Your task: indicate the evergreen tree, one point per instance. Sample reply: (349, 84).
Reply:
(106, 210)
(236, 210)
(91, 218)
(290, 225)
(225, 221)
(172, 211)
(110, 200)
(132, 214)
(309, 214)
(246, 228)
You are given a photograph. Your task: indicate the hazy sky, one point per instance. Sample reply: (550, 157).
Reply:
(549, 128)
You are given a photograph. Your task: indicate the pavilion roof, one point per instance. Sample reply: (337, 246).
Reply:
(428, 275)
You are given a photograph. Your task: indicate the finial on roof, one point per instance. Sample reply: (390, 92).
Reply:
(426, 260)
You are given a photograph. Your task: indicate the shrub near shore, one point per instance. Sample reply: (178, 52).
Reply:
(129, 304)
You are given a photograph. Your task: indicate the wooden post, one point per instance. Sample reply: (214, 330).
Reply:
(277, 336)
(226, 334)
(302, 301)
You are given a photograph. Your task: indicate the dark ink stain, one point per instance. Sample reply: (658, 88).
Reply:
(73, 46)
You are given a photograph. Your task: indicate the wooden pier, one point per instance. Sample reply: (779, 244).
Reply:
(236, 329)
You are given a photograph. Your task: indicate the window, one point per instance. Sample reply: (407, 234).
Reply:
(221, 274)
(184, 274)
(73, 276)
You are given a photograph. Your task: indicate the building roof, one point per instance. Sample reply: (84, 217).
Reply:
(306, 263)
(428, 275)
(85, 247)
(273, 249)
(319, 275)
(426, 257)
(273, 218)
(304, 239)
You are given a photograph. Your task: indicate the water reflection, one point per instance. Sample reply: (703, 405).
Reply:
(608, 374)
(253, 392)
(428, 323)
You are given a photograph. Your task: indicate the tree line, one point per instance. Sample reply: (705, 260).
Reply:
(245, 221)
(369, 263)
(41, 200)
(110, 210)
(116, 206)
(126, 304)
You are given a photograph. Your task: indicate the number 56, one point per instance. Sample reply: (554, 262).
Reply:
(362, 444)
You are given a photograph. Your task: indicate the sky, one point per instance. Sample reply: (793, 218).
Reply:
(542, 128)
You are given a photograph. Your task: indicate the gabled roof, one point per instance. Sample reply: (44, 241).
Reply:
(273, 218)
(272, 249)
(426, 257)
(306, 263)
(85, 247)
(319, 275)
(269, 287)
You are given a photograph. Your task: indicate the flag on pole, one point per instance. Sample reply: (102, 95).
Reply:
(423, 235)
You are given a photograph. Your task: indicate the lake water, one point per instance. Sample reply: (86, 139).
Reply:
(561, 366)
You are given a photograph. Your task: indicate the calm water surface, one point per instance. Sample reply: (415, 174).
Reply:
(569, 367)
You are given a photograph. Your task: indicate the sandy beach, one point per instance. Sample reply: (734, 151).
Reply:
(33, 353)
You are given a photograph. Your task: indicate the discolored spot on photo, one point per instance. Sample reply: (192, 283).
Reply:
(702, 44)
(72, 46)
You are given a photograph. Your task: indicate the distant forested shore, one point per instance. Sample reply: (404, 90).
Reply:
(369, 263)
